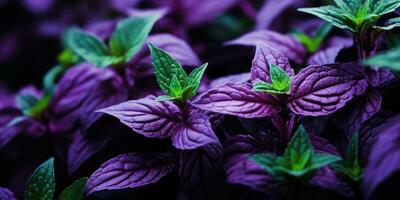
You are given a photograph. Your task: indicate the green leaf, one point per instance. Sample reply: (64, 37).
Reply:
(351, 166)
(322, 160)
(75, 191)
(390, 24)
(269, 163)
(194, 79)
(348, 5)
(26, 101)
(166, 98)
(280, 82)
(130, 35)
(89, 47)
(381, 7)
(41, 184)
(51, 77)
(175, 88)
(165, 67)
(334, 15)
(390, 59)
(312, 44)
(38, 109)
(68, 58)
(300, 143)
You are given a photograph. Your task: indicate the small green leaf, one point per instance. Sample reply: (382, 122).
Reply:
(321, 160)
(299, 143)
(279, 78)
(390, 24)
(312, 44)
(68, 58)
(351, 166)
(268, 162)
(26, 101)
(166, 98)
(90, 48)
(41, 184)
(175, 88)
(334, 15)
(348, 5)
(194, 79)
(50, 79)
(75, 191)
(390, 59)
(165, 67)
(38, 109)
(130, 35)
(261, 86)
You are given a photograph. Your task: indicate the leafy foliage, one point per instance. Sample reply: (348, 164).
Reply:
(299, 159)
(41, 184)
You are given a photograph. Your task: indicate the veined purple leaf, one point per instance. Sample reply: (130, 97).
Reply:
(322, 90)
(194, 133)
(238, 100)
(236, 79)
(378, 77)
(82, 90)
(85, 146)
(72, 90)
(384, 159)
(265, 56)
(287, 45)
(148, 117)
(130, 171)
(200, 172)
(6, 194)
(351, 118)
(241, 170)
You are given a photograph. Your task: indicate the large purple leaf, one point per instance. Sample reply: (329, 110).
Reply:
(270, 10)
(384, 160)
(73, 88)
(6, 194)
(130, 171)
(322, 90)
(287, 45)
(325, 56)
(238, 100)
(194, 133)
(241, 170)
(351, 118)
(197, 12)
(200, 172)
(148, 117)
(329, 179)
(265, 56)
(85, 146)
(236, 79)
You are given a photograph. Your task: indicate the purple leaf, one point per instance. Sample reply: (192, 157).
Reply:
(322, 90)
(241, 170)
(236, 79)
(200, 172)
(265, 56)
(130, 171)
(270, 10)
(351, 118)
(7, 133)
(384, 160)
(6, 194)
(321, 145)
(328, 179)
(85, 146)
(194, 133)
(238, 100)
(287, 45)
(148, 117)
(81, 91)
(325, 56)
(378, 77)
